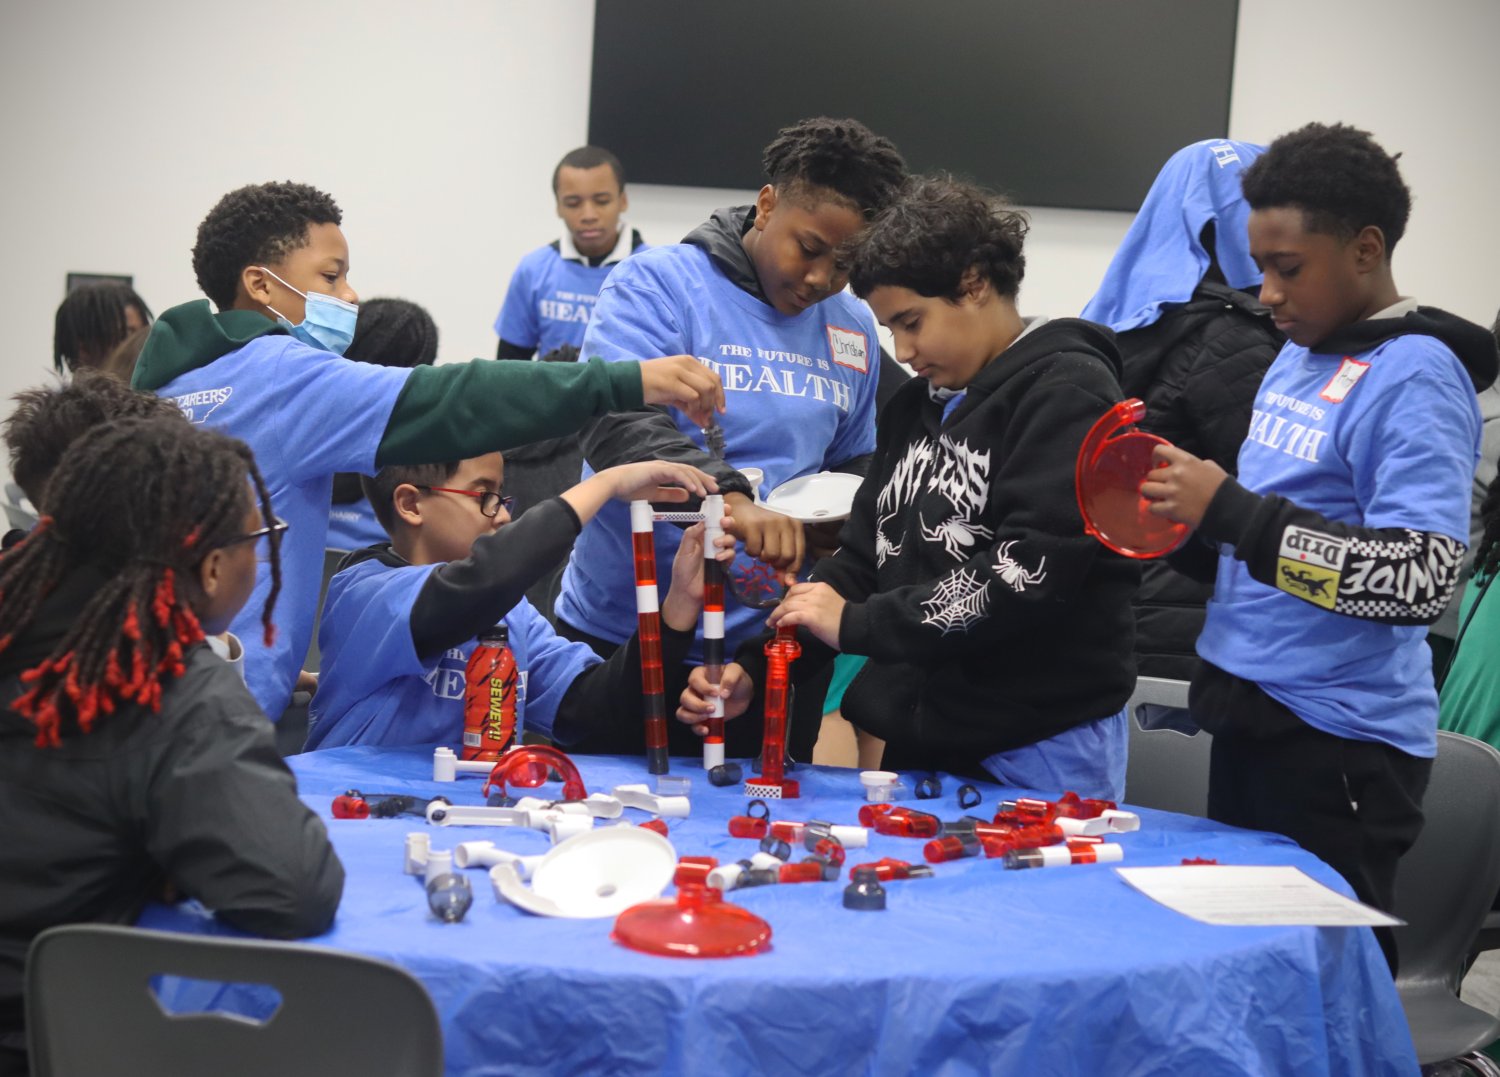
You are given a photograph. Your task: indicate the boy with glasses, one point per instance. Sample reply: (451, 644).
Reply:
(400, 620)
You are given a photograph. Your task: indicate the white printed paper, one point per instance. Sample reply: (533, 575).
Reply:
(1252, 896)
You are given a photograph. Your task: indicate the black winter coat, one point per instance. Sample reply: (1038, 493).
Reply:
(1198, 369)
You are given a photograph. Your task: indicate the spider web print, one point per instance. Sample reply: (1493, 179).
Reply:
(960, 601)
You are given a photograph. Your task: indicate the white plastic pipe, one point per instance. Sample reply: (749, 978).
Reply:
(447, 766)
(641, 796)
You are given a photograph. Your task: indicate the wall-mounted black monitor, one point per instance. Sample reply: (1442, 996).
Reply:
(1056, 102)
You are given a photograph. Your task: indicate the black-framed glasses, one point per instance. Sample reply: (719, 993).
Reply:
(275, 527)
(489, 501)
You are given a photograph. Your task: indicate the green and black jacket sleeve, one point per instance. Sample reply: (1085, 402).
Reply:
(1393, 575)
(460, 410)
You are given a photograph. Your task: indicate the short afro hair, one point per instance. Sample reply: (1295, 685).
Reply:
(1338, 176)
(255, 225)
(938, 230)
(46, 421)
(587, 157)
(821, 155)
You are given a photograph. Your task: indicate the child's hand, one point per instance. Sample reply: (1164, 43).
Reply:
(816, 606)
(768, 536)
(647, 479)
(697, 704)
(684, 383)
(1182, 489)
(684, 601)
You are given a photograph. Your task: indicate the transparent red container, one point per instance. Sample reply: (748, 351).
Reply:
(1113, 461)
(697, 923)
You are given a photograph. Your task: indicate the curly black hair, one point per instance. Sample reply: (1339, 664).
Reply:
(937, 231)
(1338, 176)
(388, 332)
(845, 157)
(46, 421)
(587, 157)
(90, 323)
(255, 225)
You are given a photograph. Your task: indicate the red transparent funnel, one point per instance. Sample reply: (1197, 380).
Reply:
(1113, 461)
(697, 923)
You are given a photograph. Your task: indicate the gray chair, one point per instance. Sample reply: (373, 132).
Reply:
(1166, 769)
(90, 1009)
(1444, 887)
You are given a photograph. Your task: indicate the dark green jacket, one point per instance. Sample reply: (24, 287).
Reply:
(448, 412)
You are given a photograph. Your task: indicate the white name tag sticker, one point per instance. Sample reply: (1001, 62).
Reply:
(849, 348)
(1349, 373)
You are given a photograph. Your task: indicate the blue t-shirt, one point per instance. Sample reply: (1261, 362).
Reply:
(800, 392)
(1387, 438)
(306, 414)
(553, 292)
(374, 689)
(354, 526)
(1162, 258)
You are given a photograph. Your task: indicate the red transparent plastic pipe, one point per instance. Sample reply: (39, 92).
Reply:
(806, 871)
(888, 868)
(529, 765)
(746, 826)
(648, 614)
(1058, 855)
(1069, 806)
(693, 870)
(952, 847)
(781, 652)
(906, 823)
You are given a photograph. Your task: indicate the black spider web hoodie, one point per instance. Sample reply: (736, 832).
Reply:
(991, 619)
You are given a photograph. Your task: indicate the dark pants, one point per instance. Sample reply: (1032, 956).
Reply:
(742, 736)
(1356, 805)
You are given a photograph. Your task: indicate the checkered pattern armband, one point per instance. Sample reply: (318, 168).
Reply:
(1395, 576)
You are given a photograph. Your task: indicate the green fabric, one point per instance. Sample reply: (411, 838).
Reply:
(459, 410)
(845, 668)
(448, 412)
(190, 336)
(1470, 701)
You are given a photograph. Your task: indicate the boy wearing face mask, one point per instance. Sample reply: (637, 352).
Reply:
(756, 293)
(268, 369)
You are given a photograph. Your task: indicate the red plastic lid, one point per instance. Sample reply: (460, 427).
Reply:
(1112, 464)
(697, 923)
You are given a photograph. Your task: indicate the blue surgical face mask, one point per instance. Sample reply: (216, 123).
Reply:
(328, 323)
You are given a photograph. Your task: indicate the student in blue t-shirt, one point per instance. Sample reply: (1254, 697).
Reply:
(756, 293)
(388, 332)
(553, 290)
(269, 369)
(1345, 530)
(401, 619)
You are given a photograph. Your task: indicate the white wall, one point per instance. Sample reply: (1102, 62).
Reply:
(436, 127)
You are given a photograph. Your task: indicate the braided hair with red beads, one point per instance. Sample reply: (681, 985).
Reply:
(141, 503)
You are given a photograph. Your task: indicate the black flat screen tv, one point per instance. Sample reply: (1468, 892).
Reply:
(1073, 103)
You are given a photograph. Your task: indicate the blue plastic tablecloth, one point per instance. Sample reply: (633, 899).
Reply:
(977, 970)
